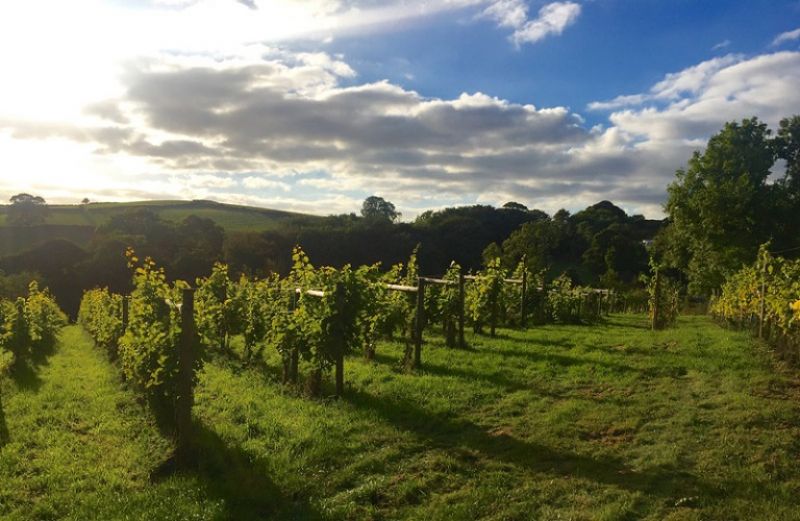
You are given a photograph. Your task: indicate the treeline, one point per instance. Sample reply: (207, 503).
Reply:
(599, 246)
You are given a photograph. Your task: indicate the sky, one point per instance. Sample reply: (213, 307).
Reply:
(313, 105)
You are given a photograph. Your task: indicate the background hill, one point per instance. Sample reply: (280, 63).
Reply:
(77, 222)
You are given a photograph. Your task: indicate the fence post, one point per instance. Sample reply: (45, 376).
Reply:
(185, 395)
(295, 356)
(125, 312)
(341, 341)
(657, 301)
(462, 304)
(522, 311)
(419, 323)
(599, 305)
(762, 303)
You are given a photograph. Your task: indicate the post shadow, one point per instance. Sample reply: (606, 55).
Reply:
(442, 432)
(4, 436)
(239, 479)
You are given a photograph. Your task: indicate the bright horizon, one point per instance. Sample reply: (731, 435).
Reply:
(311, 106)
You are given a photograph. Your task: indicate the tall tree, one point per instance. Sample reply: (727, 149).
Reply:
(375, 207)
(721, 206)
(27, 210)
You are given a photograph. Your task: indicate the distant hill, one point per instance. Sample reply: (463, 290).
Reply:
(77, 222)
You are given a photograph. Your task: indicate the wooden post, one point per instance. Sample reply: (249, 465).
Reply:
(419, 323)
(339, 303)
(125, 312)
(657, 301)
(599, 305)
(185, 391)
(762, 304)
(462, 304)
(494, 311)
(295, 356)
(522, 310)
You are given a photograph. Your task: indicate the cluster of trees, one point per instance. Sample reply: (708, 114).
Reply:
(589, 245)
(730, 199)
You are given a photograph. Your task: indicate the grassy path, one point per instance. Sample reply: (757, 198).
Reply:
(609, 422)
(79, 447)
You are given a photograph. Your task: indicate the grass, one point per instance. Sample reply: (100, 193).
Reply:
(608, 422)
(229, 216)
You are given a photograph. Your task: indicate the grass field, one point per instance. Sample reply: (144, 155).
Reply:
(229, 216)
(559, 422)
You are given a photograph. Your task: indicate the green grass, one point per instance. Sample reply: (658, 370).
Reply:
(558, 422)
(229, 216)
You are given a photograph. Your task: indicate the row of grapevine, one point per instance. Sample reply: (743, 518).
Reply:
(664, 298)
(152, 335)
(28, 326)
(765, 297)
(315, 316)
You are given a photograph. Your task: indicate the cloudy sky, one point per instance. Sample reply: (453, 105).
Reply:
(312, 105)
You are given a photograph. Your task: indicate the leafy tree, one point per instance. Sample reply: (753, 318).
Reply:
(375, 207)
(27, 210)
(788, 149)
(721, 206)
(512, 205)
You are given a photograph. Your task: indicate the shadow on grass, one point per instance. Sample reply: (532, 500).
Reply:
(25, 369)
(237, 478)
(451, 371)
(445, 433)
(4, 437)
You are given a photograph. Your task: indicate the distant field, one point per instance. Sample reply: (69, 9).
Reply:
(230, 217)
(608, 422)
(77, 222)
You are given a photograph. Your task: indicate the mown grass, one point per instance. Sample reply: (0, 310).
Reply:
(559, 422)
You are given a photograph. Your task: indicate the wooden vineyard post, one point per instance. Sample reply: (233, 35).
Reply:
(125, 312)
(341, 346)
(657, 301)
(185, 392)
(494, 312)
(461, 305)
(523, 294)
(419, 323)
(599, 305)
(295, 356)
(762, 303)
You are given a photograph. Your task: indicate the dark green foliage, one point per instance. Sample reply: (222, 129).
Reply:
(722, 206)
(26, 210)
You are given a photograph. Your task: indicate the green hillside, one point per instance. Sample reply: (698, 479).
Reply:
(229, 216)
(77, 223)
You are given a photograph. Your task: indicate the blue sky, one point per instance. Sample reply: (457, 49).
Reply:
(312, 105)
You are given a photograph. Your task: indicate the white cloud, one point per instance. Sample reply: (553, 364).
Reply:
(788, 36)
(721, 45)
(552, 19)
(246, 122)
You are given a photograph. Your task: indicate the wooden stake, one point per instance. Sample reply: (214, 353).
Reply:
(462, 304)
(657, 301)
(185, 395)
(522, 311)
(419, 323)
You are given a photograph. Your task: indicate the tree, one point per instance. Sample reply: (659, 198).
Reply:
(721, 206)
(85, 200)
(512, 205)
(788, 149)
(27, 210)
(378, 208)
